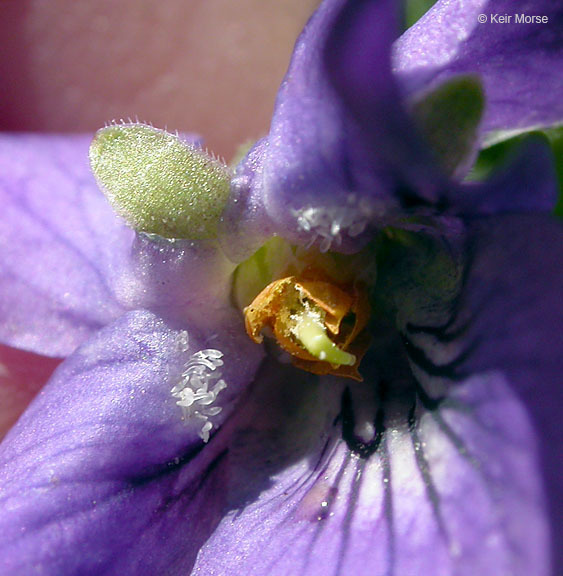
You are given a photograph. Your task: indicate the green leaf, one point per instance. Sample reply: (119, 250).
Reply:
(414, 9)
(158, 183)
(449, 118)
(555, 137)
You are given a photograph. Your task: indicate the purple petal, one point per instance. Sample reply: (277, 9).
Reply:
(335, 158)
(181, 280)
(70, 266)
(519, 63)
(360, 79)
(358, 61)
(459, 493)
(245, 224)
(101, 475)
(506, 324)
(527, 183)
(61, 245)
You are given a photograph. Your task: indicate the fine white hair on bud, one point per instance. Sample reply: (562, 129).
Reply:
(159, 183)
(198, 388)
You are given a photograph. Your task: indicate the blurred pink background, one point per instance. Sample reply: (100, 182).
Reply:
(209, 66)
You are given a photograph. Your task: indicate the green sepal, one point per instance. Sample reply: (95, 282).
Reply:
(158, 183)
(449, 118)
(415, 9)
(555, 137)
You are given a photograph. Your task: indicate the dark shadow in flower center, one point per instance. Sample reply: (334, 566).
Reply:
(392, 398)
(355, 444)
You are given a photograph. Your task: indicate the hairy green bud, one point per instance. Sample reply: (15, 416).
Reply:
(158, 183)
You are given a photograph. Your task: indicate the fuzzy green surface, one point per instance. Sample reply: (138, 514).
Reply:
(159, 183)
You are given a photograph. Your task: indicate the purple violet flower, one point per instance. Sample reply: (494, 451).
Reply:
(169, 442)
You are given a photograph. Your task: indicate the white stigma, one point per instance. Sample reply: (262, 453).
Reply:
(199, 387)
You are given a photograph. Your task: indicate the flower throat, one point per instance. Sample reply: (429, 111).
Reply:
(315, 306)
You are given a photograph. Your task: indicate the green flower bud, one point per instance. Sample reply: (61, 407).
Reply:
(158, 183)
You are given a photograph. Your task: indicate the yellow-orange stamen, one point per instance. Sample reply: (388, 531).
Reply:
(318, 322)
